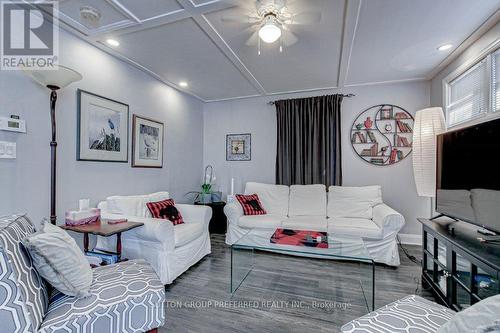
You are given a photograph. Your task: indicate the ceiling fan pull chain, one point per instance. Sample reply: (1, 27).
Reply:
(281, 43)
(258, 47)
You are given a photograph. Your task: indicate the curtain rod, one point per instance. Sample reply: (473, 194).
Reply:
(343, 95)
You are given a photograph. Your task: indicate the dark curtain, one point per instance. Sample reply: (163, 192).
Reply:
(308, 140)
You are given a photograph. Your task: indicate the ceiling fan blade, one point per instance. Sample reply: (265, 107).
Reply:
(247, 4)
(240, 19)
(305, 18)
(289, 38)
(254, 38)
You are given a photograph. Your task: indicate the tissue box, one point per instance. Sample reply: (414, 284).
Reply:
(89, 216)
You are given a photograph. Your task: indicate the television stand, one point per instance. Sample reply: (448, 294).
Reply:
(442, 215)
(457, 267)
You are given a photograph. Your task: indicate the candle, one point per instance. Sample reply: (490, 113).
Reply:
(232, 186)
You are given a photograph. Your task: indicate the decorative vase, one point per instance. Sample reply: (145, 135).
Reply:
(205, 198)
(359, 126)
(368, 123)
(388, 127)
(216, 196)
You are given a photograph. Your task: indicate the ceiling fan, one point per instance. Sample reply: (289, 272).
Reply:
(272, 20)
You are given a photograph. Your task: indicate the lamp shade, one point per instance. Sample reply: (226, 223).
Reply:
(428, 123)
(54, 79)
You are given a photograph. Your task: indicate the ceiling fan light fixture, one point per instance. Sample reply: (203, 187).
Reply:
(270, 31)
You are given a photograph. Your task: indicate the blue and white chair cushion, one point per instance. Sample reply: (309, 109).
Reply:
(408, 315)
(127, 297)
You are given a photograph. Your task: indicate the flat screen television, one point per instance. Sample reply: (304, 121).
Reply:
(468, 174)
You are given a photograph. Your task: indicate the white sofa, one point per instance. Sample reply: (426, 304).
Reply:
(170, 249)
(343, 211)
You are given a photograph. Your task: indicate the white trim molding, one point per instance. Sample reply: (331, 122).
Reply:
(411, 239)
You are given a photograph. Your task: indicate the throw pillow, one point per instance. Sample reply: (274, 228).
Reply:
(165, 209)
(59, 260)
(251, 204)
(473, 318)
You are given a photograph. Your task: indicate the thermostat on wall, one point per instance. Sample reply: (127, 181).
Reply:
(12, 124)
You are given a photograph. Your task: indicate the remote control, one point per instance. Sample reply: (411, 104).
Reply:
(486, 232)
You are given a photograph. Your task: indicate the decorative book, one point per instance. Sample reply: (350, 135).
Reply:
(307, 238)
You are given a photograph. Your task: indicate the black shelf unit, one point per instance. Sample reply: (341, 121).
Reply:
(456, 266)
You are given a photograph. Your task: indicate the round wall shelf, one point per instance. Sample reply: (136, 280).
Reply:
(383, 134)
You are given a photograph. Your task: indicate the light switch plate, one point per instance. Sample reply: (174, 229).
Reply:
(7, 149)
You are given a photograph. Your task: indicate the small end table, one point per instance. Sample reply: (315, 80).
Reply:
(218, 222)
(104, 229)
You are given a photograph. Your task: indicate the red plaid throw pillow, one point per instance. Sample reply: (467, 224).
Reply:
(165, 209)
(251, 204)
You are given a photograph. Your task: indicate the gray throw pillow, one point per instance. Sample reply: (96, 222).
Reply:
(475, 318)
(58, 259)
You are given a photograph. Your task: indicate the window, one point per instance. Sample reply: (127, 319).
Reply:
(467, 95)
(495, 76)
(475, 92)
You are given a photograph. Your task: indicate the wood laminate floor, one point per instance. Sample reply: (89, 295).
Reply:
(281, 294)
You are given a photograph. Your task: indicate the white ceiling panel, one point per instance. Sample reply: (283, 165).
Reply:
(398, 40)
(145, 9)
(109, 14)
(181, 51)
(311, 63)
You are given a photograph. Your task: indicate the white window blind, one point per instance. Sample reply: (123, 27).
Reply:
(495, 89)
(467, 95)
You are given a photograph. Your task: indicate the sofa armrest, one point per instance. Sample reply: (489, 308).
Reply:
(194, 213)
(153, 230)
(233, 212)
(389, 220)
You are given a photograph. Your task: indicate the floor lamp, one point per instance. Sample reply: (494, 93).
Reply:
(54, 80)
(428, 124)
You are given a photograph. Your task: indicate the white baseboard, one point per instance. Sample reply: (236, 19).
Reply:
(410, 239)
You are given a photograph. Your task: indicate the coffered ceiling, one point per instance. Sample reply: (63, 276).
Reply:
(357, 42)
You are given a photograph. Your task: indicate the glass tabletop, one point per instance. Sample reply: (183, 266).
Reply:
(339, 247)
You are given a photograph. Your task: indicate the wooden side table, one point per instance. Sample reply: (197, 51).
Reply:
(103, 229)
(218, 222)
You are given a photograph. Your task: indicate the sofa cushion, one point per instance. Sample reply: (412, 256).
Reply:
(165, 209)
(260, 221)
(345, 201)
(187, 232)
(59, 260)
(24, 297)
(409, 314)
(132, 205)
(154, 197)
(274, 198)
(307, 200)
(315, 223)
(251, 204)
(125, 297)
(346, 226)
(484, 313)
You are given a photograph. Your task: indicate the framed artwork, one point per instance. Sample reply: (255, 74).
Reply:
(147, 143)
(102, 129)
(238, 147)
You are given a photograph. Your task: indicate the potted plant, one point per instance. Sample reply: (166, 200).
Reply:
(205, 195)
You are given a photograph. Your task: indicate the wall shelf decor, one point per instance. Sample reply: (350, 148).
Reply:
(382, 134)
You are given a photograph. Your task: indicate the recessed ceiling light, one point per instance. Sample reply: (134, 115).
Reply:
(445, 47)
(183, 84)
(112, 42)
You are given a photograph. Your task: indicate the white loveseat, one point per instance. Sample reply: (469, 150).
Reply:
(343, 211)
(169, 249)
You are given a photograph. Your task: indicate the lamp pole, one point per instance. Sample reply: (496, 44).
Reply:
(53, 153)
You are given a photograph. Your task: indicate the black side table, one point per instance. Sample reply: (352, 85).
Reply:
(218, 222)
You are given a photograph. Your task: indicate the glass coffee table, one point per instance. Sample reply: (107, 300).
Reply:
(340, 248)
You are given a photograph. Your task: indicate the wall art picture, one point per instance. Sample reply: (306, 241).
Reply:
(147, 143)
(238, 147)
(102, 131)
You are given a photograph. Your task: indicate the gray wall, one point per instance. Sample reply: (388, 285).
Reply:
(255, 116)
(24, 182)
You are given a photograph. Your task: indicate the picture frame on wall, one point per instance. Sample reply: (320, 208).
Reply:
(147, 143)
(239, 147)
(102, 128)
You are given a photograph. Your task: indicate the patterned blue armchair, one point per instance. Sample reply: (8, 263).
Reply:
(126, 297)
